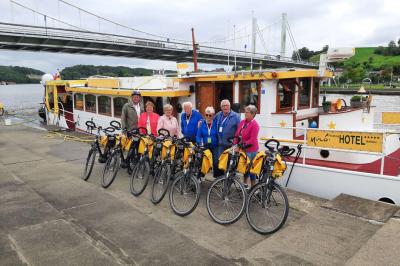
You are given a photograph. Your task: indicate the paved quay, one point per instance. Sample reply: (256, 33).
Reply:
(49, 216)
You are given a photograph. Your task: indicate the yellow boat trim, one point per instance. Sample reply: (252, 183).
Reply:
(390, 118)
(103, 83)
(161, 93)
(255, 76)
(285, 140)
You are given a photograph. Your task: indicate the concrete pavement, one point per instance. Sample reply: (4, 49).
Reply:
(49, 216)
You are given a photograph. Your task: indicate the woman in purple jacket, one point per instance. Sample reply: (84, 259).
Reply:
(248, 130)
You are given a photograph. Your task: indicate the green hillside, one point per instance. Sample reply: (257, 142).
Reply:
(366, 56)
(19, 74)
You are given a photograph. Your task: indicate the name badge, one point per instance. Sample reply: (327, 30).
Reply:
(220, 129)
(208, 140)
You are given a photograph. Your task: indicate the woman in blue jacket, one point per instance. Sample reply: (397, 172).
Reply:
(207, 133)
(190, 121)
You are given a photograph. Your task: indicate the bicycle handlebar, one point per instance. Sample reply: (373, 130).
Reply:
(90, 124)
(115, 124)
(164, 130)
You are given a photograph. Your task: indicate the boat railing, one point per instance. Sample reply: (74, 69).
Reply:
(294, 142)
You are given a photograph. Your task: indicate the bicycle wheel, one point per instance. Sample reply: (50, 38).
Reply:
(160, 183)
(111, 169)
(226, 200)
(90, 159)
(267, 208)
(140, 178)
(184, 194)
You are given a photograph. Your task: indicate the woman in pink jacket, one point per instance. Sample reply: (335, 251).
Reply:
(149, 119)
(248, 130)
(169, 122)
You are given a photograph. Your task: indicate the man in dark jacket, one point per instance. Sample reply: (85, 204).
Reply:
(190, 121)
(226, 122)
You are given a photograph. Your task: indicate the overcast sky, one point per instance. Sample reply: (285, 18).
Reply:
(313, 24)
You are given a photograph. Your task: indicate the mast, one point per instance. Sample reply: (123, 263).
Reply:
(283, 35)
(253, 40)
(194, 51)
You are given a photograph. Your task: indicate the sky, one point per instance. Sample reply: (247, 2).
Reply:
(224, 23)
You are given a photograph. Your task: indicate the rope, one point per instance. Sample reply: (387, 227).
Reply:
(66, 137)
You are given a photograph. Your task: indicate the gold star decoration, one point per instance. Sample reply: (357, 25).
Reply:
(332, 125)
(282, 123)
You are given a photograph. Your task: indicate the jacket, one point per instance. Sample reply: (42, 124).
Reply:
(229, 126)
(153, 122)
(129, 117)
(249, 132)
(202, 135)
(170, 124)
(189, 130)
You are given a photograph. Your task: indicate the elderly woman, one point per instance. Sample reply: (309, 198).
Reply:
(248, 130)
(149, 119)
(169, 122)
(207, 133)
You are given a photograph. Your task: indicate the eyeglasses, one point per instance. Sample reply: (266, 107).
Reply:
(209, 115)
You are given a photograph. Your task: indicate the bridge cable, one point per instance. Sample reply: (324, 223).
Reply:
(121, 25)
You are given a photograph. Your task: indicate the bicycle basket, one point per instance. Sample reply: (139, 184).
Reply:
(257, 164)
(207, 162)
(279, 167)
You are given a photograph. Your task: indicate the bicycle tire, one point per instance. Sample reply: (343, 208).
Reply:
(90, 159)
(255, 200)
(184, 184)
(111, 168)
(219, 184)
(161, 178)
(143, 177)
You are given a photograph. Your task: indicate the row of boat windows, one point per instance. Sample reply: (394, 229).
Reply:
(99, 104)
(308, 93)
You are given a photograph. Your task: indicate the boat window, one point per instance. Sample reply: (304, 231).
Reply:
(78, 101)
(50, 97)
(286, 88)
(104, 105)
(304, 85)
(118, 104)
(90, 103)
(315, 97)
(249, 93)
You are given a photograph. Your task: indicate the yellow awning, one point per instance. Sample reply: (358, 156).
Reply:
(113, 92)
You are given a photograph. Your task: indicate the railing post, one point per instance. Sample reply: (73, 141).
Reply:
(305, 145)
(383, 154)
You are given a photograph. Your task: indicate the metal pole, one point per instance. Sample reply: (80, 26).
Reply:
(283, 35)
(194, 51)
(229, 48)
(253, 36)
(234, 43)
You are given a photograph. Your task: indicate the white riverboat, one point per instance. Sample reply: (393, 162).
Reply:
(342, 152)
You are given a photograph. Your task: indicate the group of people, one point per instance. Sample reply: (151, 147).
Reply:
(213, 130)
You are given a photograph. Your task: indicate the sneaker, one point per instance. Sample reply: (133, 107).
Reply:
(246, 187)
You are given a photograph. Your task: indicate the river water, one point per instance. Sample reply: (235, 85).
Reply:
(25, 98)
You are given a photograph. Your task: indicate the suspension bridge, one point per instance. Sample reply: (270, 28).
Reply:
(72, 39)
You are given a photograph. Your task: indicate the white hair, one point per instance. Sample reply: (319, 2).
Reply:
(189, 104)
(226, 101)
(210, 110)
(167, 107)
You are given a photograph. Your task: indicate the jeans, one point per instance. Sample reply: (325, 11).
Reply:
(251, 156)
